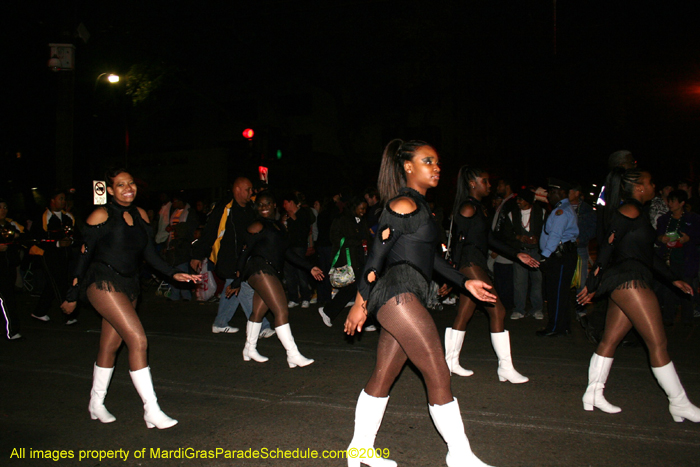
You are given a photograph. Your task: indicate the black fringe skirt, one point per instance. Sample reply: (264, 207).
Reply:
(258, 264)
(395, 284)
(108, 279)
(625, 275)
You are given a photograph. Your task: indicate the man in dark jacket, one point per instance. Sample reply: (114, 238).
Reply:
(222, 243)
(53, 232)
(298, 220)
(522, 231)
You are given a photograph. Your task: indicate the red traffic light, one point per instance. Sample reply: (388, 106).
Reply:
(248, 133)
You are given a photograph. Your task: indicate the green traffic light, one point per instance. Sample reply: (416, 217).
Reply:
(279, 154)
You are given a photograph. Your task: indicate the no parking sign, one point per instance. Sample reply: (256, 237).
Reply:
(99, 192)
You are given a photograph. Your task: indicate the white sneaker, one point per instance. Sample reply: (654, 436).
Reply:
(71, 321)
(516, 315)
(292, 304)
(325, 317)
(370, 328)
(41, 318)
(305, 304)
(226, 329)
(15, 336)
(350, 303)
(268, 332)
(313, 300)
(538, 315)
(449, 301)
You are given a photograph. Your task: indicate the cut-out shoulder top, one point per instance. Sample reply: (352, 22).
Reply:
(271, 244)
(474, 237)
(404, 260)
(629, 260)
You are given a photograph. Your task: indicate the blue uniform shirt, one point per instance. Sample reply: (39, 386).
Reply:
(561, 227)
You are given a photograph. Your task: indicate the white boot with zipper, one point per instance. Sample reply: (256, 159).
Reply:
(100, 382)
(152, 415)
(250, 351)
(453, 347)
(368, 417)
(294, 357)
(448, 421)
(679, 405)
(506, 371)
(598, 372)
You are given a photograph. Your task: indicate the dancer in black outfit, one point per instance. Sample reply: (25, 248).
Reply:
(260, 265)
(624, 271)
(474, 237)
(395, 285)
(117, 237)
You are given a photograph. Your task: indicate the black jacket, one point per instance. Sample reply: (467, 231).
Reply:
(232, 241)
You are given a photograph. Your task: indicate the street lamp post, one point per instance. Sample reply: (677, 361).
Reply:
(114, 79)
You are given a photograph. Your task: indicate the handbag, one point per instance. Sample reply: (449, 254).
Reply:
(344, 275)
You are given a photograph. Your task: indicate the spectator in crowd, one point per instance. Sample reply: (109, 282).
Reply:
(691, 204)
(350, 235)
(659, 205)
(586, 220)
(324, 248)
(177, 251)
(559, 256)
(298, 220)
(374, 209)
(54, 231)
(503, 267)
(678, 233)
(523, 233)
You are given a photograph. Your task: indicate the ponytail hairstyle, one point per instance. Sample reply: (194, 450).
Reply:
(619, 186)
(392, 176)
(466, 175)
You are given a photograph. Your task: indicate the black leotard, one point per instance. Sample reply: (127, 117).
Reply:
(407, 257)
(474, 237)
(266, 251)
(630, 259)
(114, 251)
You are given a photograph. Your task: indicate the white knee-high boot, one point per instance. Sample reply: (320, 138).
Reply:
(506, 371)
(448, 421)
(598, 372)
(294, 357)
(152, 414)
(679, 405)
(100, 383)
(453, 347)
(368, 417)
(250, 351)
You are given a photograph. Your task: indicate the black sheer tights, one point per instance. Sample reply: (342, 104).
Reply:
(467, 305)
(409, 332)
(636, 307)
(269, 294)
(119, 322)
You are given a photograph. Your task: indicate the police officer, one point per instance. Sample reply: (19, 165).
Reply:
(559, 256)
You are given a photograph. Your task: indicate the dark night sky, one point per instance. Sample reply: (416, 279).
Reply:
(626, 73)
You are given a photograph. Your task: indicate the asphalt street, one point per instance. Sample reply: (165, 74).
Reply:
(268, 409)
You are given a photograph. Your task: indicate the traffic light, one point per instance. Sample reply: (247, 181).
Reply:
(248, 134)
(279, 154)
